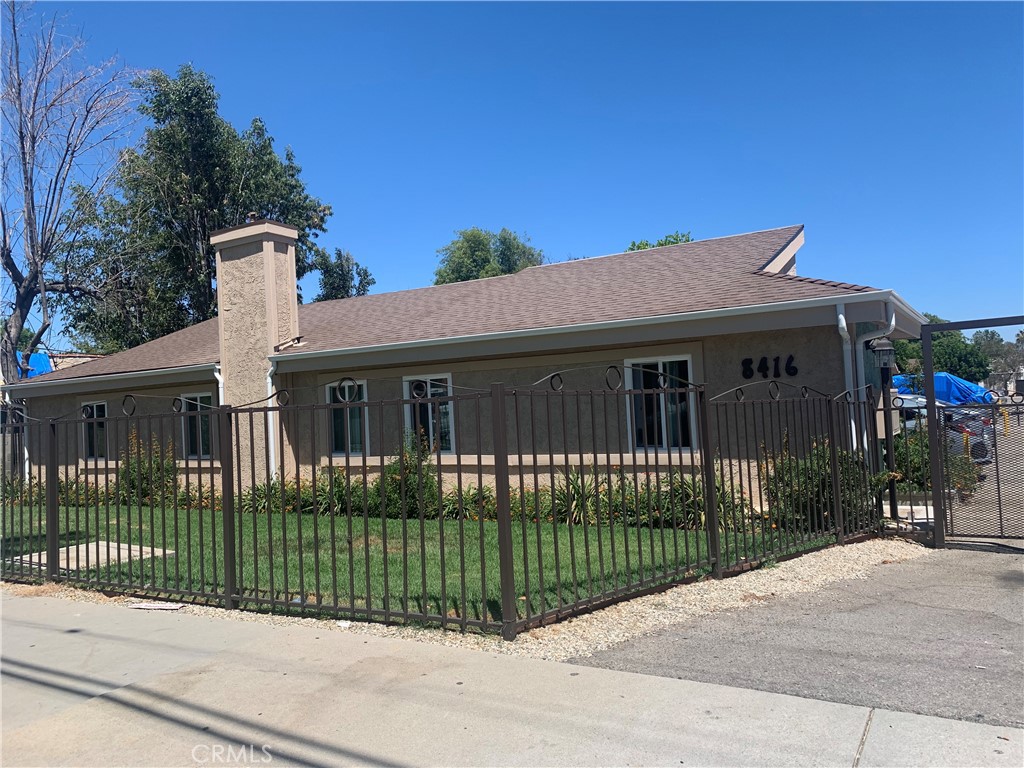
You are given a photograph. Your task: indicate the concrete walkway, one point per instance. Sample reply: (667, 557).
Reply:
(91, 684)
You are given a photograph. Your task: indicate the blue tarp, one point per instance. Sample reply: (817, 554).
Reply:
(38, 364)
(948, 388)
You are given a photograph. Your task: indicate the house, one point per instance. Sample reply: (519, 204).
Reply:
(726, 312)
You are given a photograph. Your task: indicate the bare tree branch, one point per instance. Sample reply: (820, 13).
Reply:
(62, 118)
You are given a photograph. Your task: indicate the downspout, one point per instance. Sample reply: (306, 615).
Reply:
(271, 446)
(220, 384)
(844, 332)
(890, 312)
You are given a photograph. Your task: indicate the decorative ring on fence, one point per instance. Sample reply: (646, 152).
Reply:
(1017, 398)
(418, 389)
(128, 405)
(349, 382)
(897, 402)
(774, 390)
(991, 396)
(87, 411)
(662, 381)
(556, 382)
(283, 397)
(739, 394)
(618, 373)
(805, 392)
(177, 404)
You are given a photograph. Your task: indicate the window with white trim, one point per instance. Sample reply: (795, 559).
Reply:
(350, 428)
(431, 419)
(660, 417)
(196, 426)
(94, 430)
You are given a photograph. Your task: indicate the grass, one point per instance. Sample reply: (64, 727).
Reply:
(434, 570)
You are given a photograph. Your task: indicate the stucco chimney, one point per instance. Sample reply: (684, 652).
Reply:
(257, 303)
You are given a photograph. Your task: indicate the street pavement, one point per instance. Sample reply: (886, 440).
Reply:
(101, 684)
(940, 635)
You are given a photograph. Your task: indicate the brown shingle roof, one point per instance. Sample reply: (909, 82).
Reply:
(690, 277)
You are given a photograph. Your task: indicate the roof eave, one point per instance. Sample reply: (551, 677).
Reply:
(751, 309)
(71, 384)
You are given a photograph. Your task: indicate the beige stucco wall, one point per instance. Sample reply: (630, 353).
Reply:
(580, 424)
(152, 419)
(585, 428)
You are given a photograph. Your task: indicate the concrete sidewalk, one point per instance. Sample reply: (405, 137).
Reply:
(91, 684)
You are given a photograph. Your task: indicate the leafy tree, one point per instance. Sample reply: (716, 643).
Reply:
(951, 352)
(1006, 357)
(61, 117)
(341, 277)
(674, 238)
(149, 242)
(25, 340)
(477, 253)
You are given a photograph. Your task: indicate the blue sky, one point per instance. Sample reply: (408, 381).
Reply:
(894, 132)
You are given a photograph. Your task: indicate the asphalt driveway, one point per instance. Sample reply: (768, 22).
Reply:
(940, 635)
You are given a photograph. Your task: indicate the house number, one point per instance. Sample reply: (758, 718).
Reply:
(774, 369)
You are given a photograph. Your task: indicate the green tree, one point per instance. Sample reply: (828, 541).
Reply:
(148, 242)
(951, 353)
(674, 238)
(477, 253)
(25, 340)
(341, 277)
(1005, 357)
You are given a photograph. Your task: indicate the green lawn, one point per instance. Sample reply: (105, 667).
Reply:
(359, 567)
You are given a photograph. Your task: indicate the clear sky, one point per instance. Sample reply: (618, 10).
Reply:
(894, 132)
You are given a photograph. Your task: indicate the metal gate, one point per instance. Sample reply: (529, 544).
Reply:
(978, 470)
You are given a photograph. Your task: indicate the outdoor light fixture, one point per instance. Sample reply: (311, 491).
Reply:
(885, 352)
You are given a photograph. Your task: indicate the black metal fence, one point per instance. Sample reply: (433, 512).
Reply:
(497, 510)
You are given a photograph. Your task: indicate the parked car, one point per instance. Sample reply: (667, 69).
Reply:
(913, 411)
(973, 431)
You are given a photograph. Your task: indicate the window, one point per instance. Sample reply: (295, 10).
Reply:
(349, 425)
(431, 420)
(197, 424)
(95, 432)
(659, 419)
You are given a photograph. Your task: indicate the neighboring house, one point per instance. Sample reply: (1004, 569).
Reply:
(62, 360)
(725, 312)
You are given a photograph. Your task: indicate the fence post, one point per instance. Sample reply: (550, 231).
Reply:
(833, 457)
(707, 466)
(506, 567)
(52, 517)
(227, 500)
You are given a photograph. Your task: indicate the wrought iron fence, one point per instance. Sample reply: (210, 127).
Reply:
(496, 510)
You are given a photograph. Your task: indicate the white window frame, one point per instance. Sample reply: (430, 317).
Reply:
(691, 402)
(85, 431)
(185, 398)
(332, 387)
(407, 394)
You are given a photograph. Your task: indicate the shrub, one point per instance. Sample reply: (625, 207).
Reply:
(576, 496)
(407, 486)
(800, 490)
(472, 503)
(81, 492)
(912, 455)
(145, 472)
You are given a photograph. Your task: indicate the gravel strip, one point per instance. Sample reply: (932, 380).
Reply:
(585, 635)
